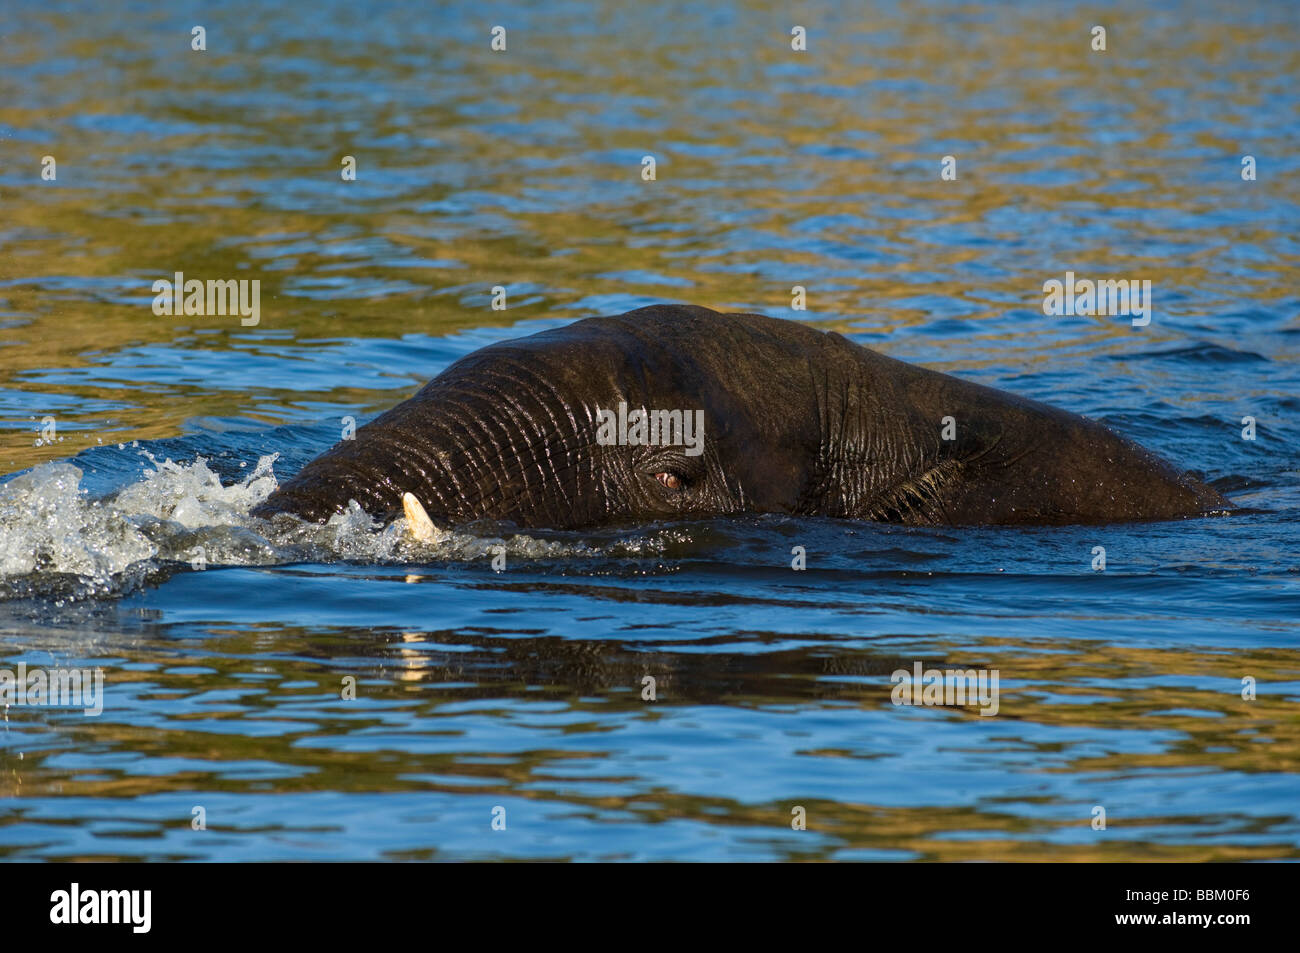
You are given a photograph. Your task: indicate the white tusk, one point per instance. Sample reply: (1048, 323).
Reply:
(418, 523)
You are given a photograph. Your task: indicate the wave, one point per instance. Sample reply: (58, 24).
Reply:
(58, 541)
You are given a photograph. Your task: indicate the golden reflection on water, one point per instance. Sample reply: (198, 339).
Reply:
(1065, 157)
(411, 673)
(774, 170)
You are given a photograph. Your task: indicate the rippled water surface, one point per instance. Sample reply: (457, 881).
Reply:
(522, 690)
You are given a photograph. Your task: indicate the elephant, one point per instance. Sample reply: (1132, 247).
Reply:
(679, 412)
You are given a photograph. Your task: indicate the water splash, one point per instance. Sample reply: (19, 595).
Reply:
(58, 541)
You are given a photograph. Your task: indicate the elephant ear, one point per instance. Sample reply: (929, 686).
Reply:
(926, 448)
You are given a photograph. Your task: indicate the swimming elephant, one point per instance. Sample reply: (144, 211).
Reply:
(678, 412)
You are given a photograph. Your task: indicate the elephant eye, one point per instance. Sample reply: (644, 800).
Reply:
(670, 480)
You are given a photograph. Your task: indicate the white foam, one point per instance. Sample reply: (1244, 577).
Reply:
(176, 512)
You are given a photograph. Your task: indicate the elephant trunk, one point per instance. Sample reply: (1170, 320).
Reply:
(467, 447)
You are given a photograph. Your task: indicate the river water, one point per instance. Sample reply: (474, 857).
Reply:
(132, 440)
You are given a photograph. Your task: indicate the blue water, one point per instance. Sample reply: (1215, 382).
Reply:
(523, 689)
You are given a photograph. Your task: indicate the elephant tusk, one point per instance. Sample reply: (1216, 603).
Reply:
(418, 523)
